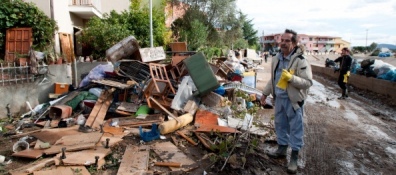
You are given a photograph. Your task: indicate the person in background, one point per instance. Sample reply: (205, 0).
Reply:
(265, 56)
(345, 61)
(291, 77)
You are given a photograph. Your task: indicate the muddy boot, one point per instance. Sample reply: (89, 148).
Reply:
(280, 153)
(292, 167)
(343, 94)
(346, 93)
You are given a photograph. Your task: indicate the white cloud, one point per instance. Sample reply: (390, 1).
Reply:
(345, 18)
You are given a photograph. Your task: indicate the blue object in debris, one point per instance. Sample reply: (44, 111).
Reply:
(150, 135)
(220, 90)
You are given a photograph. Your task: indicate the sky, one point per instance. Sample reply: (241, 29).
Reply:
(353, 20)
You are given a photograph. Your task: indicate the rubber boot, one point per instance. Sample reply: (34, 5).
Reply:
(343, 94)
(346, 93)
(280, 153)
(292, 167)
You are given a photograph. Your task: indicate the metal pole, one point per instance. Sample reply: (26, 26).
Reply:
(366, 39)
(151, 23)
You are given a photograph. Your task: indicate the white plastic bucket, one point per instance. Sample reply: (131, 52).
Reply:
(20, 146)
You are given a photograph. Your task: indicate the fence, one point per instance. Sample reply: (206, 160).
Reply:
(11, 74)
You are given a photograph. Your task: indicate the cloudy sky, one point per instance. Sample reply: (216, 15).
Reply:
(349, 19)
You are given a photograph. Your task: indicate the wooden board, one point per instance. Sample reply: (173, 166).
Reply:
(35, 166)
(113, 84)
(134, 161)
(98, 113)
(64, 170)
(85, 157)
(75, 142)
(216, 128)
(67, 46)
(168, 152)
(29, 153)
(152, 54)
(51, 136)
(129, 107)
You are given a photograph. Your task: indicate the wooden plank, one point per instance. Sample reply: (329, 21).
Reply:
(35, 166)
(75, 142)
(29, 153)
(85, 157)
(51, 136)
(113, 84)
(64, 170)
(66, 46)
(216, 128)
(168, 152)
(99, 120)
(129, 107)
(95, 111)
(134, 161)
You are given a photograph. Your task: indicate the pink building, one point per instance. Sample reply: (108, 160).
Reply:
(312, 43)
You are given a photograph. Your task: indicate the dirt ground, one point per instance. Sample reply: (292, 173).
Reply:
(352, 136)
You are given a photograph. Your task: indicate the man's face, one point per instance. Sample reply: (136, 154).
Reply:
(286, 44)
(344, 52)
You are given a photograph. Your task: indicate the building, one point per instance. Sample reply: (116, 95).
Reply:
(312, 43)
(72, 15)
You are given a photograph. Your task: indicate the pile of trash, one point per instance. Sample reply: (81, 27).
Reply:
(369, 68)
(143, 95)
(375, 68)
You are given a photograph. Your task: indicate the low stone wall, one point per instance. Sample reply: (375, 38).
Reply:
(362, 82)
(17, 94)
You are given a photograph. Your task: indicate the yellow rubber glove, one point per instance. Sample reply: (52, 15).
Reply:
(284, 79)
(346, 77)
(286, 75)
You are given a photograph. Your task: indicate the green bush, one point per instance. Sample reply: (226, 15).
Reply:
(17, 13)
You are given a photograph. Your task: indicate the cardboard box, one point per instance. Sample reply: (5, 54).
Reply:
(61, 88)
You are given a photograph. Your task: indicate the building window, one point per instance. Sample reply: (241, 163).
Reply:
(310, 39)
(331, 45)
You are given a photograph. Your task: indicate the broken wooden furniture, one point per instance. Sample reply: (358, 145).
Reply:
(158, 87)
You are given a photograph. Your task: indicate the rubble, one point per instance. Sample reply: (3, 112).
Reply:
(187, 100)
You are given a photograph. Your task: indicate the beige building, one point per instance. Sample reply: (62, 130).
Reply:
(72, 15)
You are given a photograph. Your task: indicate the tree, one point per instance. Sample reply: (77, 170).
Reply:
(249, 34)
(101, 34)
(196, 35)
(373, 46)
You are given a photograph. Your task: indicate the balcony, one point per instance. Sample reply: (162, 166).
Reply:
(86, 9)
(268, 41)
(324, 42)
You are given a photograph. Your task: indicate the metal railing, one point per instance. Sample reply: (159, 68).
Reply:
(11, 74)
(93, 3)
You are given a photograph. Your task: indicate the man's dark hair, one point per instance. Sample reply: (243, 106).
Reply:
(294, 37)
(346, 49)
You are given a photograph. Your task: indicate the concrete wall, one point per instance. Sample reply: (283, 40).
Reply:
(362, 82)
(35, 93)
(117, 5)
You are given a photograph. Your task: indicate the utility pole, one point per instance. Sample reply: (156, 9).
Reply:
(366, 39)
(151, 23)
(263, 39)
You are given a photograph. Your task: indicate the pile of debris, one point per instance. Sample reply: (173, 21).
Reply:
(140, 94)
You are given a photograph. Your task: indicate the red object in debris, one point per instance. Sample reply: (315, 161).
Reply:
(89, 103)
(203, 117)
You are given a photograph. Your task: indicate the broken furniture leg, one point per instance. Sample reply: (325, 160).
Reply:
(163, 108)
